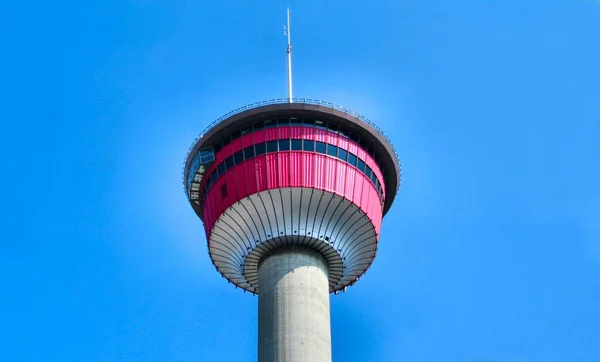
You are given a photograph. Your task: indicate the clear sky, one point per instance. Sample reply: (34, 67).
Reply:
(491, 252)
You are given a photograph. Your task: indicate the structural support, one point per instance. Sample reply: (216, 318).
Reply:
(293, 307)
(289, 56)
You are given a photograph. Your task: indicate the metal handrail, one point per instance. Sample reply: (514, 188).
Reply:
(282, 101)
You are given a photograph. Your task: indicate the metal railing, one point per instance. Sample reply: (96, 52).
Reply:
(285, 101)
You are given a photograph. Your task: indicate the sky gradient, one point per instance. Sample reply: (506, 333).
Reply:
(491, 252)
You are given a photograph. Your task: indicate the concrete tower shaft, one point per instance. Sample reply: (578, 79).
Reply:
(293, 306)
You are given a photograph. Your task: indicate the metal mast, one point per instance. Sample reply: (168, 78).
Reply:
(289, 55)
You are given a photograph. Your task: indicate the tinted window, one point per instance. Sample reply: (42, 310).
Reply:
(320, 147)
(217, 147)
(229, 162)
(309, 122)
(249, 152)
(238, 157)
(295, 121)
(321, 124)
(260, 125)
(246, 130)
(344, 132)
(332, 127)
(373, 178)
(352, 159)
(221, 168)
(270, 123)
(309, 145)
(342, 154)
(284, 145)
(260, 149)
(226, 141)
(296, 145)
(332, 150)
(283, 122)
(368, 172)
(361, 165)
(354, 137)
(272, 146)
(236, 135)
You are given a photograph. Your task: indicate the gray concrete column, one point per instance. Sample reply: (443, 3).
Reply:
(293, 307)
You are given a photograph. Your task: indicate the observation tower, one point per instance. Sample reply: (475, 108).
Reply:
(292, 193)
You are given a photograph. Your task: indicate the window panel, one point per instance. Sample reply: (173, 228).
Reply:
(343, 155)
(361, 165)
(284, 145)
(221, 169)
(352, 159)
(260, 149)
(309, 145)
(270, 123)
(238, 157)
(332, 150)
(229, 162)
(296, 145)
(272, 146)
(320, 147)
(368, 172)
(248, 152)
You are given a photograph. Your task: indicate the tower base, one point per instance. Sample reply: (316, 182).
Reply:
(293, 306)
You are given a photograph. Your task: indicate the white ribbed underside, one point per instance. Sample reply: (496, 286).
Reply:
(264, 221)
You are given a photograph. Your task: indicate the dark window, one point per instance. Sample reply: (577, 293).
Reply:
(224, 191)
(296, 145)
(229, 162)
(226, 141)
(272, 146)
(354, 137)
(352, 159)
(260, 149)
(373, 178)
(246, 130)
(321, 124)
(236, 135)
(344, 132)
(333, 127)
(258, 126)
(270, 123)
(308, 122)
(217, 147)
(284, 145)
(332, 150)
(368, 172)
(238, 157)
(295, 121)
(361, 165)
(283, 122)
(248, 152)
(343, 155)
(221, 169)
(320, 147)
(213, 178)
(309, 145)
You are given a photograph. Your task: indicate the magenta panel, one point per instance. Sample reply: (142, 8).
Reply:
(310, 170)
(296, 169)
(340, 176)
(284, 169)
(270, 134)
(320, 135)
(272, 174)
(260, 163)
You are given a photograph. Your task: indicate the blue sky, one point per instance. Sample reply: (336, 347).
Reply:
(491, 252)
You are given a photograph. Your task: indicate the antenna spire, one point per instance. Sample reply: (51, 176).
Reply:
(289, 54)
